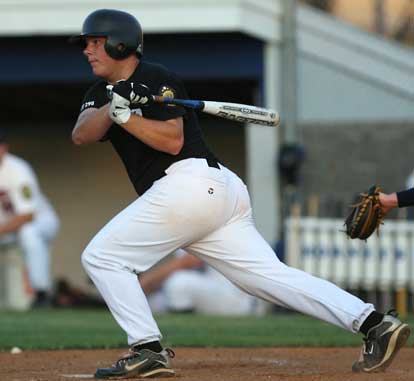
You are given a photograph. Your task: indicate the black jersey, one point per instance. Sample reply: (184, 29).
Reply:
(143, 163)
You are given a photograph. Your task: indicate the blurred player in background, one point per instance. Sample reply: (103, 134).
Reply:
(187, 200)
(184, 283)
(27, 218)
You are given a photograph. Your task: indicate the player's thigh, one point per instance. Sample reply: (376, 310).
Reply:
(48, 224)
(132, 239)
(155, 225)
(29, 236)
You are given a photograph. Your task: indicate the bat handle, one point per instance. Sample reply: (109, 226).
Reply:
(158, 99)
(166, 100)
(198, 105)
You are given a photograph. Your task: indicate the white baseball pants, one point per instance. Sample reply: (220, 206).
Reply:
(35, 239)
(206, 211)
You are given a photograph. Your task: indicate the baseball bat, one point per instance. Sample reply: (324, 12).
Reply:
(233, 111)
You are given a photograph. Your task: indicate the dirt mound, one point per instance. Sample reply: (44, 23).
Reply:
(210, 364)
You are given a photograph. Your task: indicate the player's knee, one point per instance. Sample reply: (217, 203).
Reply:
(87, 259)
(93, 258)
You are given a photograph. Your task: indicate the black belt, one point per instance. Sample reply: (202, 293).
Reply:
(212, 163)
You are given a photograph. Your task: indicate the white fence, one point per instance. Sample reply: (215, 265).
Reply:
(385, 262)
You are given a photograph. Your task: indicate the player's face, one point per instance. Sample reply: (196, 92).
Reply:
(102, 64)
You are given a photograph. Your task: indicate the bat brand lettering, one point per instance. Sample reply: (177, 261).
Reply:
(245, 110)
(246, 119)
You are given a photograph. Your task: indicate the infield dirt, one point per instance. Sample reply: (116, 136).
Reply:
(210, 364)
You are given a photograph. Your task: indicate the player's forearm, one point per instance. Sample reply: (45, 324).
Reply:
(165, 136)
(91, 125)
(15, 223)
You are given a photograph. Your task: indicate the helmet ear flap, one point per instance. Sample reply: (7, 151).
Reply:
(117, 50)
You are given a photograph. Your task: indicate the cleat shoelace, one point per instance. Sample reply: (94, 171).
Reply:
(131, 354)
(170, 352)
(368, 346)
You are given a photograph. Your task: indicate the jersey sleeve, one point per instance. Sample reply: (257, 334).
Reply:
(168, 85)
(23, 191)
(95, 97)
(405, 198)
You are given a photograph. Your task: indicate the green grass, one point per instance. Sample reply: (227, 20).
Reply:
(61, 329)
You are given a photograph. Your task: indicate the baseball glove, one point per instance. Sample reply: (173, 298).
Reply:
(366, 215)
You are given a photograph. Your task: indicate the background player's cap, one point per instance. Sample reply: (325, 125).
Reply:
(3, 135)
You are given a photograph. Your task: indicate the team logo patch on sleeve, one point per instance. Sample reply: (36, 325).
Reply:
(26, 192)
(168, 92)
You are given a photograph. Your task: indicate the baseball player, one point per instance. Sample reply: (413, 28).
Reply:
(184, 283)
(26, 218)
(187, 199)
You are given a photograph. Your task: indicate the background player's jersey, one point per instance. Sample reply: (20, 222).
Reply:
(18, 187)
(19, 192)
(143, 163)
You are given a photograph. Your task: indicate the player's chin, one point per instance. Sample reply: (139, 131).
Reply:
(98, 70)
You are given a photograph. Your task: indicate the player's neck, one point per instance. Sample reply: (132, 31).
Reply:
(3, 153)
(124, 70)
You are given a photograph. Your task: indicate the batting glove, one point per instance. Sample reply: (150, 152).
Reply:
(137, 94)
(119, 110)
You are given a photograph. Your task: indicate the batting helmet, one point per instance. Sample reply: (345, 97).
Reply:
(122, 30)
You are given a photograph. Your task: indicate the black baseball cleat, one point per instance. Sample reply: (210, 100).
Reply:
(381, 344)
(143, 363)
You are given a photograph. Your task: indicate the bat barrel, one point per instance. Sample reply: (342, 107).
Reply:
(243, 113)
